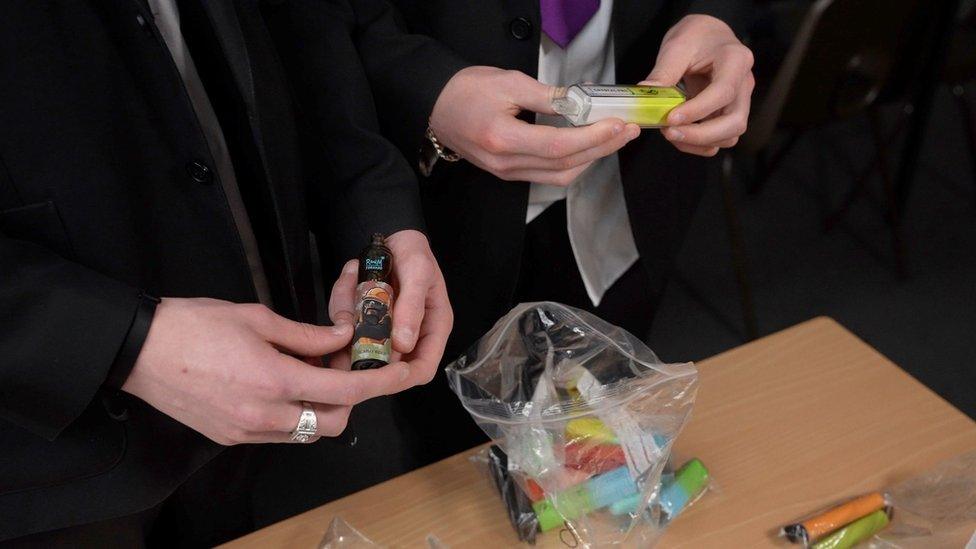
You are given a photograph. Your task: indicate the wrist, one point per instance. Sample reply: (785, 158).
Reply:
(128, 353)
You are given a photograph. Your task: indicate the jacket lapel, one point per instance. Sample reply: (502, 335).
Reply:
(223, 17)
(279, 257)
(630, 20)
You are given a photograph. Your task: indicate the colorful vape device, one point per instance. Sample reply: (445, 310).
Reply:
(371, 343)
(591, 430)
(855, 532)
(818, 526)
(688, 482)
(646, 106)
(596, 493)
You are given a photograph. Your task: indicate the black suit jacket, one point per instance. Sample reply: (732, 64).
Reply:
(475, 221)
(107, 194)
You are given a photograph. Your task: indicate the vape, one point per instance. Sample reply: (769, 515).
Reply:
(371, 343)
(646, 106)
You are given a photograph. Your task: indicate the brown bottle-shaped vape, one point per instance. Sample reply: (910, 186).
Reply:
(371, 344)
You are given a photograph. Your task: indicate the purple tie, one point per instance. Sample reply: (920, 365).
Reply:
(563, 19)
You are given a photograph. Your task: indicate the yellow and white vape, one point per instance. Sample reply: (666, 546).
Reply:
(646, 106)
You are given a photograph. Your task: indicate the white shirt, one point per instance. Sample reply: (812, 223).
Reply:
(597, 222)
(167, 19)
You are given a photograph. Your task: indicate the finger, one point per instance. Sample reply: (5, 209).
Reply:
(300, 338)
(709, 133)
(341, 387)
(257, 423)
(274, 437)
(529, 162)
(519, 137)
(438, 321)
(527, 93)
(728, 143)
(330, 421)
(696, 149)
(341, 360)
(673, 61)
(342, 300)
(413, 276)
(427, 356)
(561, 178)
(724, 88)
(713, 132)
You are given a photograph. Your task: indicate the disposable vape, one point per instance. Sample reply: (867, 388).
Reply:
(646, 106)
(371, 344)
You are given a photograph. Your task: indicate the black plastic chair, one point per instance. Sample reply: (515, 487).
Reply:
(842, 58)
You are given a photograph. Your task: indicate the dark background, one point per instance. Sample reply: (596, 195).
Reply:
(924, 319)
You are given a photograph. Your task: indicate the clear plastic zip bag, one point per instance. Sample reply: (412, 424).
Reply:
(586, 415)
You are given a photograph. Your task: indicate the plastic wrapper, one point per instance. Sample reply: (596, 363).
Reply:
(934, 509)
(680, 487)
(341, 535)
(585, 414)
(826, 528)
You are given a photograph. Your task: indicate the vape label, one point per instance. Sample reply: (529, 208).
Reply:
(374, 263)
(596, 90)
(371, 340)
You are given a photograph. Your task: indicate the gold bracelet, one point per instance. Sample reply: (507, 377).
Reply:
(441, 150)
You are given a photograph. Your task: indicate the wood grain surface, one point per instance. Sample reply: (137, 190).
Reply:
(786, 424)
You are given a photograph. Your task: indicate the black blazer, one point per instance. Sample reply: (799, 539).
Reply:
(108, 194)
(476, 221)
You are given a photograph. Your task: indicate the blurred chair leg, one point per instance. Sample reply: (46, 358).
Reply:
(969, 128)
(892, 213)
(922, 101)
(766, 163)
(737, 249)
(858, 189)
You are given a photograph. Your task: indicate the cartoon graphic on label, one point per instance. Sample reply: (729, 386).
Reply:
(371, 340)
(371, 346)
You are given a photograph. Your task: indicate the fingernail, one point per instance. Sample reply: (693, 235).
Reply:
(633, 132)
(617, 128)
(675, 135)
(341, 327)
(403, 334)
(351, 267)
(676, 117)
(404, 371)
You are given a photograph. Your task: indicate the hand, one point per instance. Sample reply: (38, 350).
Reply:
(475, 115)
(226, 370)
(717, 71)
(422, 315)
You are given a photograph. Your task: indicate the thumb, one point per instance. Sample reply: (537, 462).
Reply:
(303, 339)
(530, 94)
(672, 64)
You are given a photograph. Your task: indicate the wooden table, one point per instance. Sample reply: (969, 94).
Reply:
(786, 424)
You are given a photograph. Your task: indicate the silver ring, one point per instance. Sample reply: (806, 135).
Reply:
(307, 424)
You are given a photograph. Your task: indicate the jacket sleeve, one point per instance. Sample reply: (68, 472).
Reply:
(63, 327)
(735, 13)
(361, 182)
(407, 71)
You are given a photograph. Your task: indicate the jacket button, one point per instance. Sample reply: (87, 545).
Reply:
(199, 172)
(116, 406)
(521, 28)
